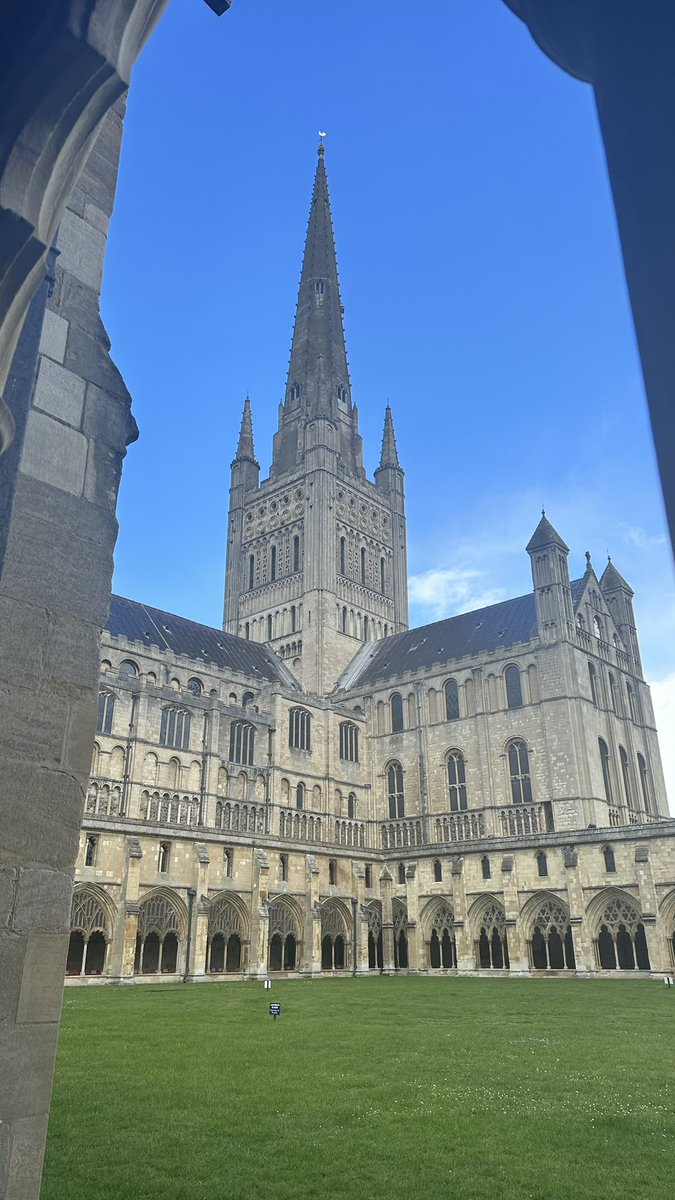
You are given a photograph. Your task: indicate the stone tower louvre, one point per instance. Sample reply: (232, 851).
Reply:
(316, 558)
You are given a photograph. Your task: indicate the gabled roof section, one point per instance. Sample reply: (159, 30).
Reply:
(545, 535)
(611, 579)
(152, 627)
(478, 632)
(577, 587)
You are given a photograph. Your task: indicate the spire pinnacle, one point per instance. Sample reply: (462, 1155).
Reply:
(389, 455)
(545, 535)
(245, 445)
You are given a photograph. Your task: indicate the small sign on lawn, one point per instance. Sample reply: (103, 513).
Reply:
(275, 1010)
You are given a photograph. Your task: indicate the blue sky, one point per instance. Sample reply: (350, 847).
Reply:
(480, 271)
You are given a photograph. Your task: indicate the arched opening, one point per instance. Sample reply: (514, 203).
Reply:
(606, 949)
(401, 950)
(434, 950)
(276, 952)
(96, 948)
(151, 952)
(448, 950)
(290, 948)
(169, 954)
(217, 957)
(326, 953)
(233, 957)
(339, 953)
(75, 953)
(492, 944)
(484, 958)
(539, 956)
(555, 951)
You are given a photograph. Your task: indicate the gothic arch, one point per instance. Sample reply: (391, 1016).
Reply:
(545, 919)
(373, 914)
(667, 916)
(92, 918)
(619, 937)
(487, 920)
(285, 933)
(162, 925)
(400, 919)
(438, 926)
(228, 929)
(335, 935)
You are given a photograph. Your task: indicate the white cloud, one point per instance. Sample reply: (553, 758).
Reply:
(663, 697)
(635, 535)
(443, 592)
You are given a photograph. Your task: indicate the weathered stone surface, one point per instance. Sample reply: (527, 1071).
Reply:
(59, 392)
(82, 249)
(54, 453)
(27, 1055)
(43, 969)
(42, 901)
(54, 336)
(8, 882)
(27, 1152)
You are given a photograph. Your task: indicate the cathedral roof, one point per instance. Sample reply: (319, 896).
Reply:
(154, 627)
(545, 535)
(611, 578)
(455, 638)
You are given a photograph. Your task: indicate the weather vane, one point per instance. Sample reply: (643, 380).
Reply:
(322, 135)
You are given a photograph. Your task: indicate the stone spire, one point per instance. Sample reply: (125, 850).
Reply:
(318, 387)
(389, 455)
(245, 445)
(545, 535)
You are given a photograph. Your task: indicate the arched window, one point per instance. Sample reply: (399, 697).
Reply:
(593, 678)
(343, 556)
(613, 693)
(90, 849)
(273, 563)
(514, 691)
(295, 391)
(610, 863)
(644, 783)
(452, 700)
(164, 857)
(293, 618)
(632, 707)
(383, 582)
(597, 628)
(438, 871)
(485, 867)
(457, 781)
(283, 868)
(251, 572)
(300, 796)
(157, 938)
(88, 935)
(395, 790)
(269, 628)
(625, 776)
(396, 706)
(519, 771)
(542, 864)
(351, 806)
(195, 686)
(247, 698)
(299, 729)
(369, 875)
(349, 742)
(606, 777)
(174, 730)
(296, 553)
(363, 564)
(127, 669)
(365, 629)
(344, 619)
(242, 743)
(247, 631)
(401, 872)
(332, 871)
(106, 709)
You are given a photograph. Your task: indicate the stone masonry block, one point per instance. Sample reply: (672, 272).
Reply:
(96, 216)
(27, 1055)
(108, 419)
(43, 900)
(59, 392)
(8, 882)
(51, 804)
(82, 249)
(25, 1164)
(12, 953)
(54, 336)
(54, 453)
(44, 966)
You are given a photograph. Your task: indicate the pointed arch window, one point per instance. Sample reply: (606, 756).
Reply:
(457, 781)
(452, 700)
(242, 743)
(174, 730)
(369, 875)
(514, 691)
(606, 776)
(438, 871)
(401, 872)
(344, 619)
(485, 867)
(283, 868)
(593, 679)
(164, 857)
(519, 771)
(632, 706)
(644, 784)
(299, 729)
(351, 806)
(614, 694)
(625, 777)
(396, 707)
(300, 797)
(106, 710)
(395, 790)
(319, 291)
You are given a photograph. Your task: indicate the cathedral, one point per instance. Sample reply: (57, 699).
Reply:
(316, 789)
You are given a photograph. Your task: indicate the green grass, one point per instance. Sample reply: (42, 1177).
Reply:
(383, 1087)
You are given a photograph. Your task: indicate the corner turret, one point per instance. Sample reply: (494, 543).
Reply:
(618, 596)
(551, 578)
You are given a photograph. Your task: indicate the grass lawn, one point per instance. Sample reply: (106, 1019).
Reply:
(386, 1087)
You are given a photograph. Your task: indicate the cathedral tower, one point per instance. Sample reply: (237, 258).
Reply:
(316, 559)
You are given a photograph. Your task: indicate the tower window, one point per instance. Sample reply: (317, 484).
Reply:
(273, 563)
(438, 871)
(344, 620)
(349, 742)
(300, 796)
(90, 851)
(606, 777)
(242, 743)
(247, 631)
(228, 862)
(319, 291)
(342, 394)
(283, 868)
(174, 730)
(644, 783)
(363, 564)
(485, 867)
(295, 391)
(332, 871)
(343, 556)
(514, 692)
(164, 858)
(452, 700)
(269, 628)
(106, 709)
(293, 618)
(299, 729)
(395, 790)
(369, 875)
(127, 669)
(351, 806)
(542, 865)
(457, 781)
(296, 553)
(401, 872)
(382, 577)
(251, 572)
(610, 862)
(519, 770)
(593, 677)
(396, 706)
(625, 775)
